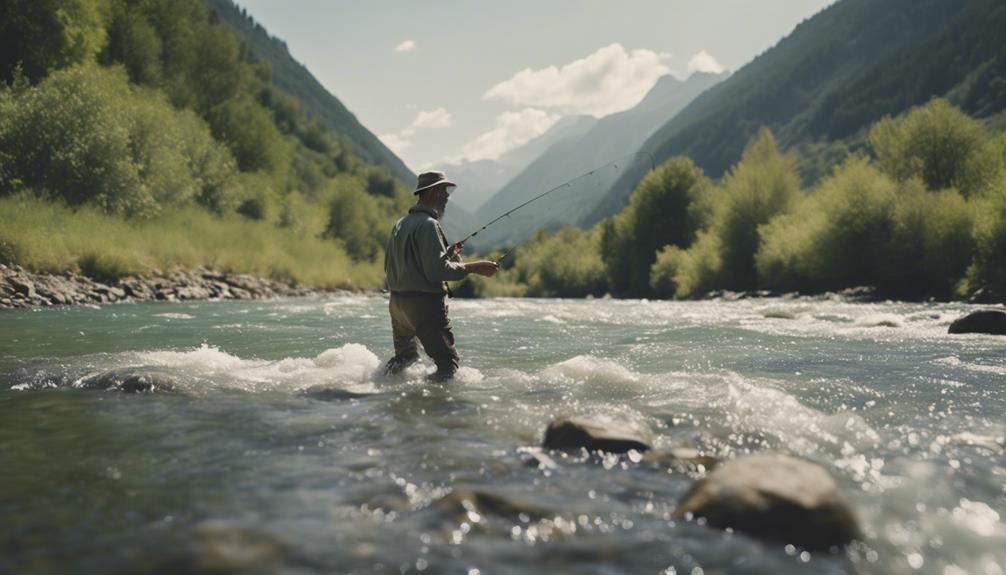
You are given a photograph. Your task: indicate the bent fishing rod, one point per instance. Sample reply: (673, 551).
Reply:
(545, 193)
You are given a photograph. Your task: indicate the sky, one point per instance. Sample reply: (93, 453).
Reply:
(442, 81)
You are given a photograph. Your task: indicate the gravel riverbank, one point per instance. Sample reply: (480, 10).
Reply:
(20, 288)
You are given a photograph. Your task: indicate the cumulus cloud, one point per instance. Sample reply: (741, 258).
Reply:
(439, 118)
(704, 62)
(396, 142)
(512, 129)
(406, 46)
(607, 81)
(424, 120)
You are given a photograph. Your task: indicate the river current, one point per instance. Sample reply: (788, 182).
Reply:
(281, 451)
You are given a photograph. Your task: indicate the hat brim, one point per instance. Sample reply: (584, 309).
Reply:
(447, 183)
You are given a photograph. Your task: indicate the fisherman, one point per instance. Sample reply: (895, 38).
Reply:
(417, 264)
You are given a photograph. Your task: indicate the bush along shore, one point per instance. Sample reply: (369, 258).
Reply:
(22, 289)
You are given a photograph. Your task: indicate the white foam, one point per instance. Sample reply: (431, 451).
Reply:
(592, 370)
(175, 315)
(351, 364)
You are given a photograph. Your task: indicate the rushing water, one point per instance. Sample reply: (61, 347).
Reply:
(281, 452)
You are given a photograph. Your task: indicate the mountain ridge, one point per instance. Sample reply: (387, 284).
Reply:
(612, 140)
(844, 67)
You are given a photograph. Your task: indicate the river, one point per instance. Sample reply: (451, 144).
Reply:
(280, 451)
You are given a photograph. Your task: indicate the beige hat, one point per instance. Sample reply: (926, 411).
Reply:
(430, 179)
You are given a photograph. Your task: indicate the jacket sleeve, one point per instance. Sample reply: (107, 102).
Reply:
(437, 265)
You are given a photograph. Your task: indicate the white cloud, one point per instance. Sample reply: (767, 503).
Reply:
(439, 118)
(406, 46)
(704, 62)
(607, 81)
(512, 129)
(425, 120)
(396, 142)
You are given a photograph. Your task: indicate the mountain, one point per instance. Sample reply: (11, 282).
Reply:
(606, 147)
(821, 87)
(295, 79)
(479, 180)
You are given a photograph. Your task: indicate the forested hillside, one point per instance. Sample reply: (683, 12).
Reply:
(296, 80)
(820, 88)
(151, 122)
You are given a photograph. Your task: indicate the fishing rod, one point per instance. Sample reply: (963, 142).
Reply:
(545, 193)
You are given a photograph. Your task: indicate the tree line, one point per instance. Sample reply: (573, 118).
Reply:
(921, 213)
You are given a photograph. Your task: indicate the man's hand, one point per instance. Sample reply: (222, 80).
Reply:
(483, 268)
(455, 250)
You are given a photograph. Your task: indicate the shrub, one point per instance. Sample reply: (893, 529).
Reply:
(836, 237)
(358, 220)
(932, 243)
(989, 267)
(658, 214)
(567, 264)
(763, 184)
(681, 273)
(939, 144)
(84, 135)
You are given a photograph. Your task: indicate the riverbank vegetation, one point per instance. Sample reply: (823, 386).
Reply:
(921, 214)
(140, 135)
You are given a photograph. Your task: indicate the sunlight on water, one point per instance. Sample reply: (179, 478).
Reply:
(271, 440)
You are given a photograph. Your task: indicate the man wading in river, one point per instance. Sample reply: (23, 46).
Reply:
(417, 263)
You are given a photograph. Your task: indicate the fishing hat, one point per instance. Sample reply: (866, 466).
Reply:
(429, 179)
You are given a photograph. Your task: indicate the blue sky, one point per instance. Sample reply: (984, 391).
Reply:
(445, 80)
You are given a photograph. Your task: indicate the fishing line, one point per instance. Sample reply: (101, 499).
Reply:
(559, 187)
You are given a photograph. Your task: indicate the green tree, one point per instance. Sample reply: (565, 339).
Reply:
(763, 184)
(660, 212)
(940, 145)
(44, 35)
(837, 237)
(567, 264)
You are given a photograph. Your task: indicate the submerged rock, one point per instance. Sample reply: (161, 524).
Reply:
(992, 321)
(145, 384)
(222, 547)
(681, 460)
(573, 433)
(773, 496)
(128, 382)
(472, 502)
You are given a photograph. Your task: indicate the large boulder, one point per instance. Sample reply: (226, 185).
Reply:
(985, 321)
(773, 496)
(573, 433)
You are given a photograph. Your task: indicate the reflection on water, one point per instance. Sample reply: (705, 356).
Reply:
(267, 443)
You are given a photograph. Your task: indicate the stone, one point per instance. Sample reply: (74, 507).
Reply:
(471, 502)
(573, 433)
(22, 286)
(774, 496)
(223, 547)
(145, 384)
(681, 460)
(991, 321)
(192, 292)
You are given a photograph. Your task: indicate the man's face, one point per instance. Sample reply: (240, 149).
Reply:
(440, 198)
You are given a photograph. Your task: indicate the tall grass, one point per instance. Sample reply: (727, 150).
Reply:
(45, 236)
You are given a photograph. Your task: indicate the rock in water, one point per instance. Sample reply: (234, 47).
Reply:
(991, 321)
(773, 496)
(572, 433)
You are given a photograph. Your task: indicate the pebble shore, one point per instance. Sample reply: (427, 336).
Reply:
(20, 288)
